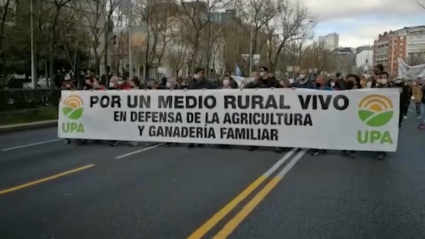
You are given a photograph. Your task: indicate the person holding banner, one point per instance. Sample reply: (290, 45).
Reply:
(199, 82)
(262, 80)
(320, 85)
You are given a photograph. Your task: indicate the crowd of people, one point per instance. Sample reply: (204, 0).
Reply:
(410, 90)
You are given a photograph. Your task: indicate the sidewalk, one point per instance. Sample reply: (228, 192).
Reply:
(27, 126)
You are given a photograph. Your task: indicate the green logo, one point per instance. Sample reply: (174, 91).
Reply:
(375, 110)
(73, 107)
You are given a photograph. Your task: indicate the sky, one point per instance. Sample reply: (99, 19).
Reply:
(359, 22)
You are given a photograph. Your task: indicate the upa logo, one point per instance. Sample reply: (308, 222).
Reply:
(73, 109)
(375, 111)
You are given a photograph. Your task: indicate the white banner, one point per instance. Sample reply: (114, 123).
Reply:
(364, 120)
(410, 72)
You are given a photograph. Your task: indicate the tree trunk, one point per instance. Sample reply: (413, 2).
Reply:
(52, 48)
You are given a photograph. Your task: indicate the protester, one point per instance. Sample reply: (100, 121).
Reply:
(303, 82)
(226, 83)
(197, 83)
(417, 95)
(263, 81)
(404, 99)
(123, 84)
(382, 82)
(320, 85)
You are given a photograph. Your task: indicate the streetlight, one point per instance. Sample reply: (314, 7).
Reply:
(33, 73)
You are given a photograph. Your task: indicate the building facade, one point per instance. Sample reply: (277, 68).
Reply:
(330, 41)
(406, 43)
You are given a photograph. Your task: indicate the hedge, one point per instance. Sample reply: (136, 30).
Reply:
(20, 99)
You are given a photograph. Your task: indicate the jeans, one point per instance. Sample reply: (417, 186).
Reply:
(418, 109)
(422, 109)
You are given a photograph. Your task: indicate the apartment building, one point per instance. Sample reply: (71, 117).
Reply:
(330, 41)
(404, 43)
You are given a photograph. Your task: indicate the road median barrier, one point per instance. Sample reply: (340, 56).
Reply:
(28, 126)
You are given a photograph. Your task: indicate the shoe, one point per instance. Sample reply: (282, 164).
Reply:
(381, 156)
(168, 144)
(252, 148)
(315, 152)
(352, 154)
(200, 145)
(132, 143)
(405, 117)
(279, 150)
(82, 142)
(115, 143)
(419, 117)
(67, 141)
(421, 126)
(190, 146)
(344, 152)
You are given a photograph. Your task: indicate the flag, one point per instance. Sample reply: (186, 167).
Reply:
(238, 70)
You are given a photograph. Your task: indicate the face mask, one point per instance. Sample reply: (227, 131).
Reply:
(132, 84)
(112, 85)
(226, 82)
(398, 82)
(168, 85)
(88, 82)
(196, 76)
(121, 82)
(369, 84)
(184, 83)
(332, 84)
(68, 86)
(383, 81)
(262, 74)
(414, 83)
(301, 77)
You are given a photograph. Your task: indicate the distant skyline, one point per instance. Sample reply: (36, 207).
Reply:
(359, 22)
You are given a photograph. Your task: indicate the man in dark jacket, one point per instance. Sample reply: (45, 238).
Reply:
(264, 81)
(404, 98)
(199, 82)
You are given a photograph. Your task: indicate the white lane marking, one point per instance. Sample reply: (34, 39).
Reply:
(291, 164)
(30, 145)
(279, 163)
(138, 151)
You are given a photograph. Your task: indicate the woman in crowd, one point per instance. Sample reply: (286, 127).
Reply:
(226, 83)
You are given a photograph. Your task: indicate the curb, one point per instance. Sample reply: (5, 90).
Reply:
(28, 126)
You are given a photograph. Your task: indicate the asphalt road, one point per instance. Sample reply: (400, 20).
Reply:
(50, 190)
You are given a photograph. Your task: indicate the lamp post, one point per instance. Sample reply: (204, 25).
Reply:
(33, 73)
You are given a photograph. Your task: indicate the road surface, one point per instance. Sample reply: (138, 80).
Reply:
(50, 190)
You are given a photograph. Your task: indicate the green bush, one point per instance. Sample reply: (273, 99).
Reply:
(19, 99)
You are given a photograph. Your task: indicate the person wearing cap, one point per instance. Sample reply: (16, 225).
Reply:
(199, 82)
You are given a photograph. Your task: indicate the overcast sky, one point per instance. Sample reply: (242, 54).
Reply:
(358, 22)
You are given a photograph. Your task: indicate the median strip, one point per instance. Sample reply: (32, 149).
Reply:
(45, 179)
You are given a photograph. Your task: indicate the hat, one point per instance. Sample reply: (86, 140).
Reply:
(199, 69)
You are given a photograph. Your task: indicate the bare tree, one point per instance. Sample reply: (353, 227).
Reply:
(4, 14)
(259, 14)
(198, 14)
(156, 15)
(176, 54)
(98, 15)
(294, 23)
(58, 6)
